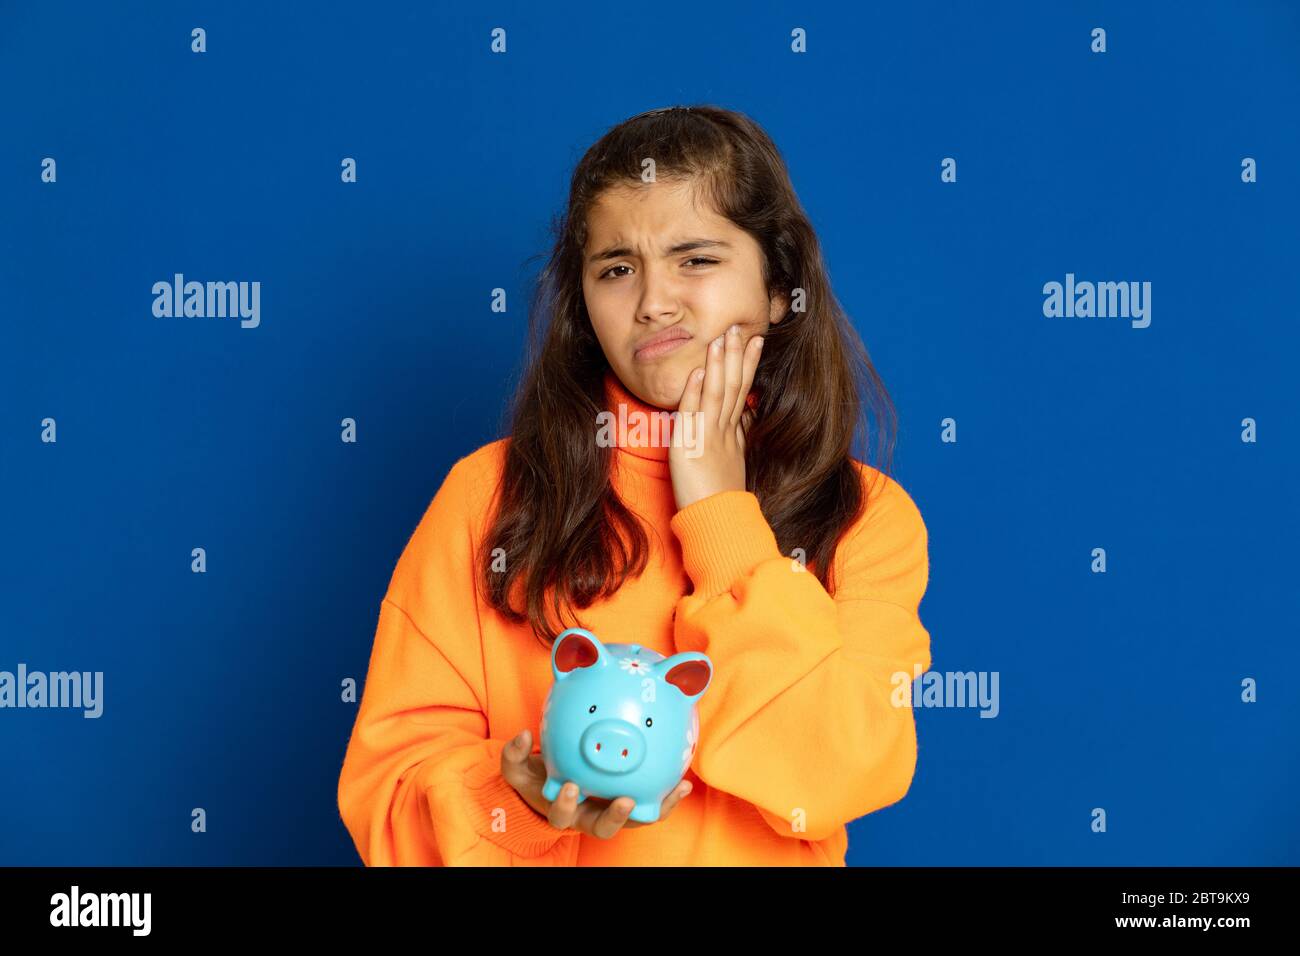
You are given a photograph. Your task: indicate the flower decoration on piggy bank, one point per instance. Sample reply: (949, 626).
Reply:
(620, 720)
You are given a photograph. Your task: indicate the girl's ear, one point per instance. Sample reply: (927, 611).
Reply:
(778, 308)
(575, 649)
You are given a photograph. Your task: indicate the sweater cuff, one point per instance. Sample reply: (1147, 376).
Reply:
(723, 537)
(527, 833)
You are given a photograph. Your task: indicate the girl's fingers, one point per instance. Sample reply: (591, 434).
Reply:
(564, 808)
(714, 373)
(516, 750)
(753, 349)
(733, 363)
(686, 427)
(612, 818)
(674, 798)
(691, 393)
(666, 807)
(514, 759)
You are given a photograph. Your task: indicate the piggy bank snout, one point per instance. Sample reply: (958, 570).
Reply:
(613, 746)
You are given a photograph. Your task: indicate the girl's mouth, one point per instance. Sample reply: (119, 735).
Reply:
(659, 345)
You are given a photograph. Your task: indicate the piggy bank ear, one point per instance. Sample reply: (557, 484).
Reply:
(690, 673)
(575, 649)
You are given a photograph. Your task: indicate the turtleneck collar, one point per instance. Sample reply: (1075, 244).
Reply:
(641, 430)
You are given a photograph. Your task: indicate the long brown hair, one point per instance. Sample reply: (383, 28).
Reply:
(567, 538)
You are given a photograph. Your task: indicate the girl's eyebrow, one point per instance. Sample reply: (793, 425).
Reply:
(690, 244)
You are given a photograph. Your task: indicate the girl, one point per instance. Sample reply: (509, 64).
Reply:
(685, 277)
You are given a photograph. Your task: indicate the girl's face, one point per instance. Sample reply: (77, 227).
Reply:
(662, 279)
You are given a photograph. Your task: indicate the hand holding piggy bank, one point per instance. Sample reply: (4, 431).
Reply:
(620, 720)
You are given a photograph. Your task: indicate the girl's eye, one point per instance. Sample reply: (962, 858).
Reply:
(591, 709)
(649, 721)
(701, 260)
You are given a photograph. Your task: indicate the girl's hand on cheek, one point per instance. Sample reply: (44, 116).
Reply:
(707, 455)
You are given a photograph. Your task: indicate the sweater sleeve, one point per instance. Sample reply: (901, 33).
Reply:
(809, 714)
(421, 783)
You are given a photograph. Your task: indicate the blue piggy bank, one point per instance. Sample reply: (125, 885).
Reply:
(620, 720)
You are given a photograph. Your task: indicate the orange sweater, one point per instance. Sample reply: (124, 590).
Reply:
(799, 732)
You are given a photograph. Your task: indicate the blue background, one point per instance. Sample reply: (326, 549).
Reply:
(1118, 690)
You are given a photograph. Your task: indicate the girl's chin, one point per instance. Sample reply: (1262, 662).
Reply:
(663, 387)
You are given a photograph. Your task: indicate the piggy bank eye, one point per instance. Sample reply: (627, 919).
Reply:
(649, 721)
(591, 709)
